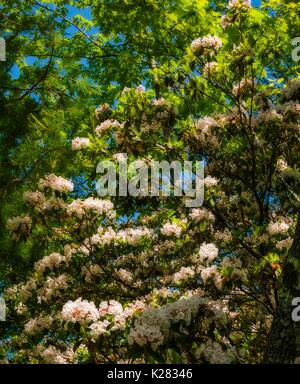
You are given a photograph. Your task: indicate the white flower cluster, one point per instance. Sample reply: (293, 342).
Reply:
(99, 328)
(36, 199)
(210, 181)
(183, 274)
(38, 324)
(99, 112)
(120, 157)
(139, 89)
(278, 227)
(242, 3)
(132, 236)
(282, 165)
(161, 102)
(91, 270)
(225, 21)
(153, 325)
(199, 214)
(285, 243)
(148, 329)
(21, 308)
(51, 261)
(81, 207)
(52, 355)
(124, 275)
(209, 273)
(120, 315)
(56, 183)
(80, 143)
(18, 225)
(224, 236)
(69, 251)
(83, 311)
(210, 68)
(111, 307)
(204, 124)
(270, 115)
(204, 131)
(206, 43)
(106, 125)
(213, 353)
(80, 311)
(137, 306)
(241, 87)
(52, 287)
(208, 252)
(171, 229)
(24, 291)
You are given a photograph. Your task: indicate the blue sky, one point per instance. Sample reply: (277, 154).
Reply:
(255, 3)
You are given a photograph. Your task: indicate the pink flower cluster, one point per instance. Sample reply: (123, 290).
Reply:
(81, 207)
(242, 3)
(171, 229)
(205, 43)
(80, 143)
(99, 112)
(56, 183)
(183, 274)
(107, 125)
(80, 311)
(17, 225)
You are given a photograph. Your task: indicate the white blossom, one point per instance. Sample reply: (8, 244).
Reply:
(278, 227)
(18, 225)
(53, 355)
(161, 102)
(210, 68)
(199, 214)
(210, 181)
(80, 311)
(99, 112)
(56, 183)
(80, 143)
(241, 87)
(82, 207)
(208, 252)
(170, 229)
(36, 199)
(183, 274)
(206, 42)
(242, 3)
(106, 125)
(50, 261)
(99, 328)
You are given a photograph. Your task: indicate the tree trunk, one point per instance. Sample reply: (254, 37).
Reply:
(284, 339)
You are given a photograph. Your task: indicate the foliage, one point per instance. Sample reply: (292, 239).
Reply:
(203, 81)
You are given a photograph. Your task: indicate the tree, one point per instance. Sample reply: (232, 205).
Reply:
(148, 279)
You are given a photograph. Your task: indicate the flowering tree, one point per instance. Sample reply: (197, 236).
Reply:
(146, 279)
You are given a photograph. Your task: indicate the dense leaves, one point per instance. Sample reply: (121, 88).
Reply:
(146, 279)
